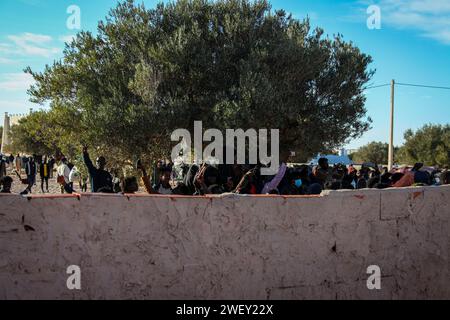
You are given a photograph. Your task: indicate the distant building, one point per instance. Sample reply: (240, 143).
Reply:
(8, 122)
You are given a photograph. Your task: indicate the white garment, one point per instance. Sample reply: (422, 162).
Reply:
(64, 171)
(74, 175)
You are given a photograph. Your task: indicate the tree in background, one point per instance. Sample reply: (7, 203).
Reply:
(33, 135)
(1, 135)
(429, 144)
(230, 64)
(376, 152)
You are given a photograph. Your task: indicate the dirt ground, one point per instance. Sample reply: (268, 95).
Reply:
(53, 186)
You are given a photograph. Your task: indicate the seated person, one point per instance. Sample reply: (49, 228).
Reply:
(206, 181)
(314, 189)
(322, 173)
(129, 185)
(163, 187)
(6, 184)
(295, 185)
(347, 182)
(333, 185)
(250, 182)
(413, 177)
(445, 178)
(396, 177)
(189, 180)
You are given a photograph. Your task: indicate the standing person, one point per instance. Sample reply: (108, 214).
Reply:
(83, 182)
(51, 166)
(63, 173)
(2, 167)
(157, 169)
(18, 163)
(44, 171)
(70, 189)
(101, 180)
(75, 176)
(31, 172)
(116, 181)
(11, 162)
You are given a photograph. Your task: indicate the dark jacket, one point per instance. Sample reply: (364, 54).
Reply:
(100, 179)
(2, 168)
(31, 168)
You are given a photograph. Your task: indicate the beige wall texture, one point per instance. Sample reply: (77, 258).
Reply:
(229, 247)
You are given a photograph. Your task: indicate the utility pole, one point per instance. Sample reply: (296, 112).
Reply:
(391, 138)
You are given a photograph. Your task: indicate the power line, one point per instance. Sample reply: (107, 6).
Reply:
(408, 85)
(421, 85)
(379, 86)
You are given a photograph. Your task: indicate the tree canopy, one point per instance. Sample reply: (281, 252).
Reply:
(375, 152)
(228, 63)
(429, 144)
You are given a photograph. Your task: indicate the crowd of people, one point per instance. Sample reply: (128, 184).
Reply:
(168, 178)
(28, 168)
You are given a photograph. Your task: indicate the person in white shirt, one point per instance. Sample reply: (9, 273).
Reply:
(63, 172)
(75, 176)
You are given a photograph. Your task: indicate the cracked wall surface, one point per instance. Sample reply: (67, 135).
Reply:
(229, 247)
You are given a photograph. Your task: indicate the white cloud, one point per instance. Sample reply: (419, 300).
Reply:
(31, 37)
(432, 6)
(34, 45)
(6, 61)
(431, 18)
(29, 44)
(5, 47)
(16, 81)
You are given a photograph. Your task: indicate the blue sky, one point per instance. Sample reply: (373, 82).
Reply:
(412, 46)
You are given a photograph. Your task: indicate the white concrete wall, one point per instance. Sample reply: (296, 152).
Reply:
(232, 247)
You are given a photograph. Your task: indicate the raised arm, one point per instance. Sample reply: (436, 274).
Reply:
(87, 161)
(145, 178)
